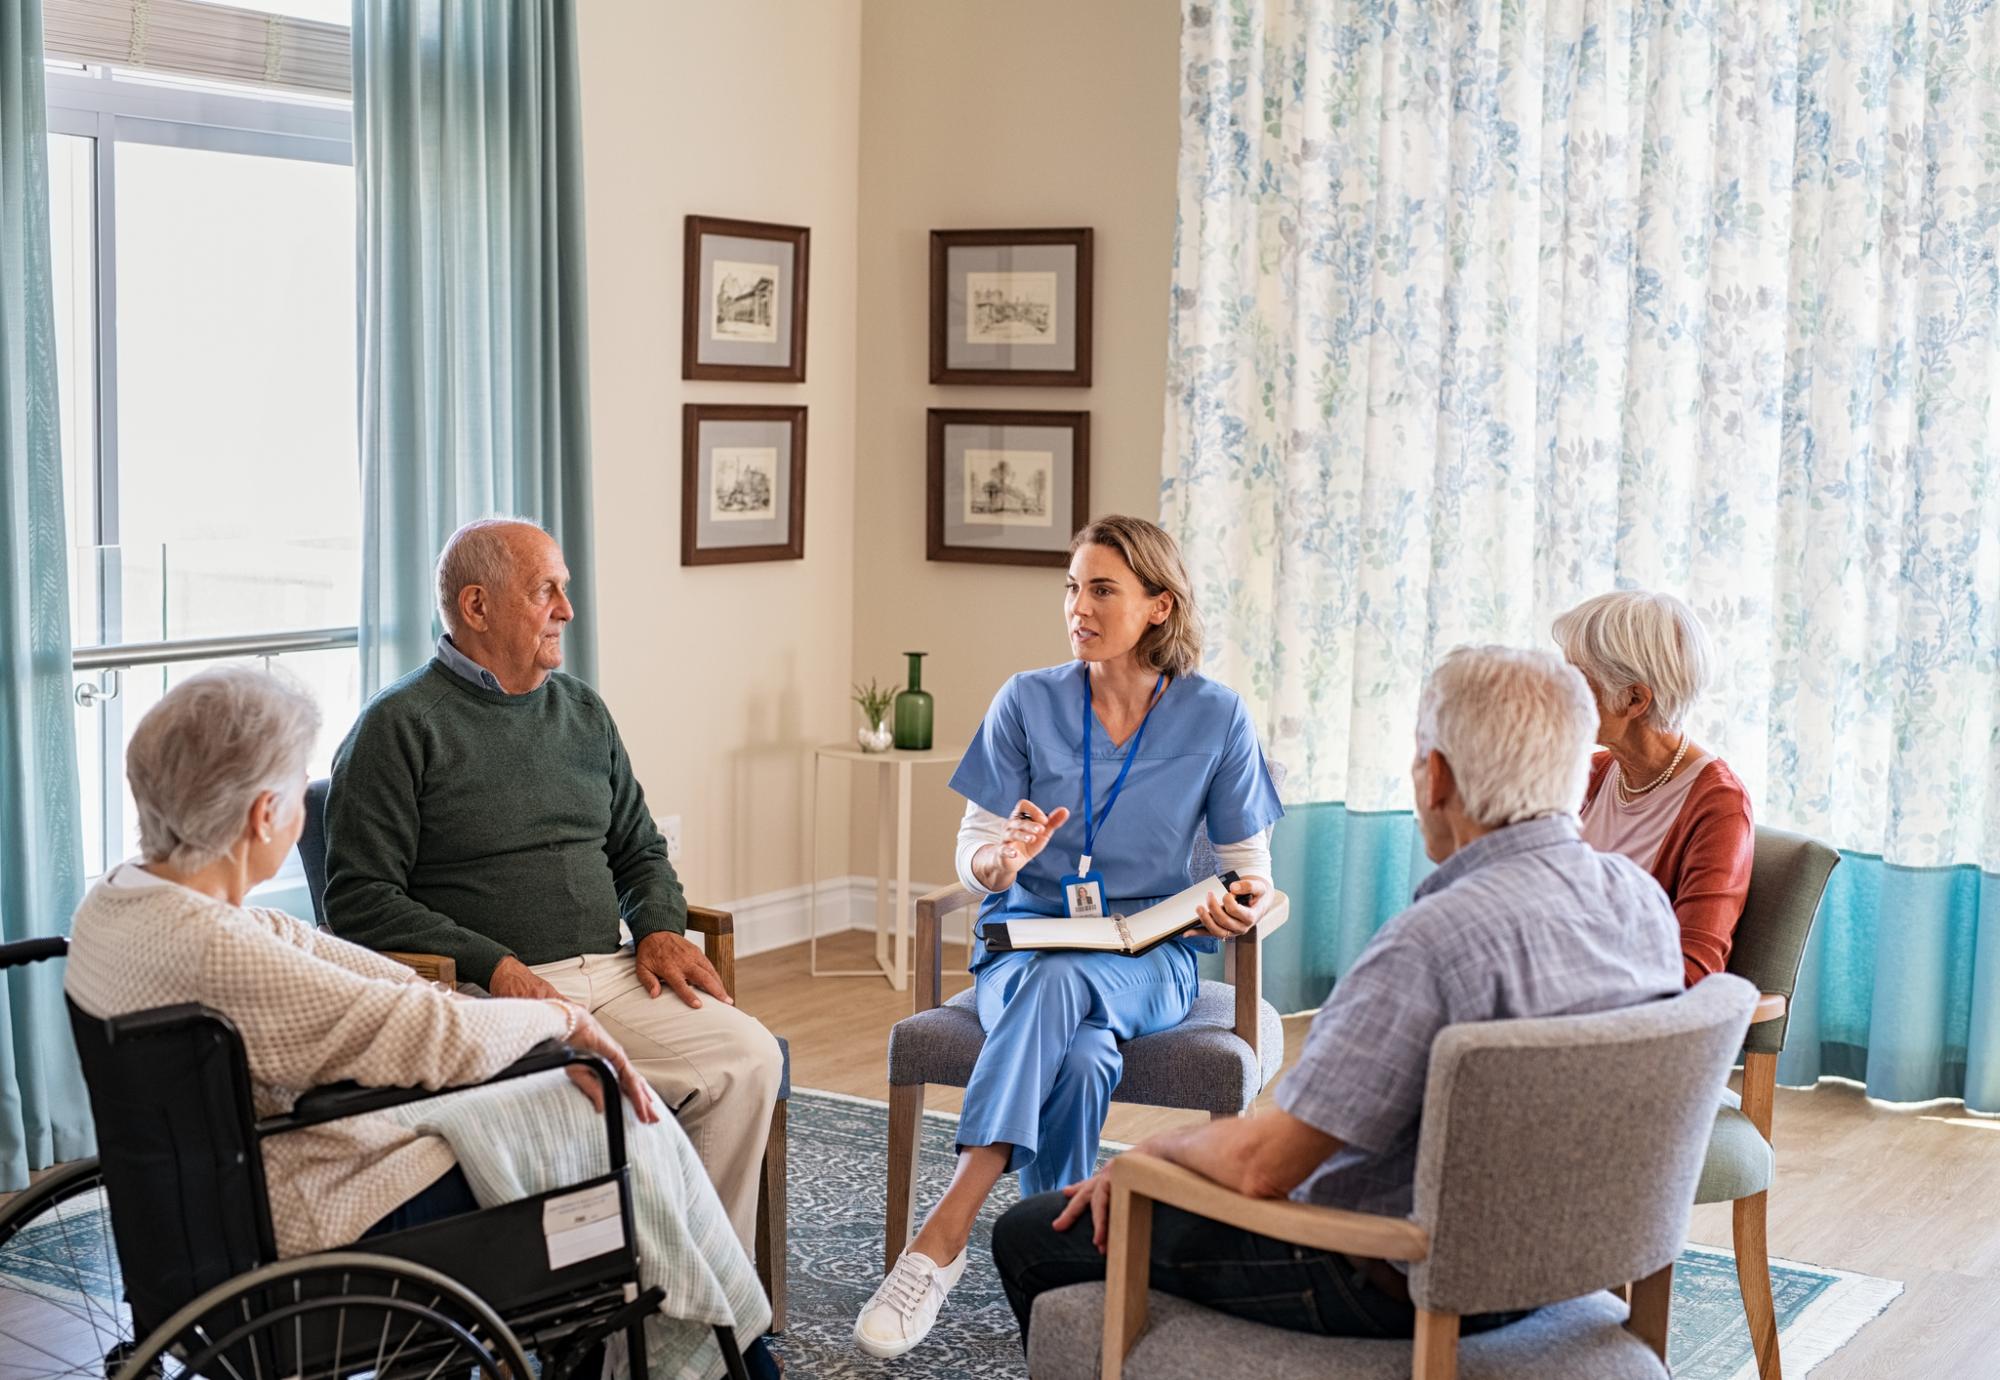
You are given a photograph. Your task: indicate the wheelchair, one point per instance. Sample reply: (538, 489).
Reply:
(195, 1286)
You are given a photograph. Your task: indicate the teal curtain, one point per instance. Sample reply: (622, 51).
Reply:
(474, 381)
(44, 1115)
(1481, 308)
(1901, 985)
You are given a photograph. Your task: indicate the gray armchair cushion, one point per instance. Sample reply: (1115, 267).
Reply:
(1200, 1064)
(1739, 1161)
(1583, 1339)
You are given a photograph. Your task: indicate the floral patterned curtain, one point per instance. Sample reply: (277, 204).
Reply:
(1483, 307)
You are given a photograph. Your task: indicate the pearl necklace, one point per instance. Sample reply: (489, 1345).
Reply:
(1628, 794)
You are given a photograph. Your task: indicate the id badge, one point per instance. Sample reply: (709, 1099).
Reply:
(1083, 895)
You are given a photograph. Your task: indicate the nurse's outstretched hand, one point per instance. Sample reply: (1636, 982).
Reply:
(1028, 833)
(1226, 914)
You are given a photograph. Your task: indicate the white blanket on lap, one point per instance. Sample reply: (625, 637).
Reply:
(531, 1135)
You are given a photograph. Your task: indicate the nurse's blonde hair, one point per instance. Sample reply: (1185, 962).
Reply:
(1175, 645)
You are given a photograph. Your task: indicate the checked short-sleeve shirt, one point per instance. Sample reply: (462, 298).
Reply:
(1526, 921)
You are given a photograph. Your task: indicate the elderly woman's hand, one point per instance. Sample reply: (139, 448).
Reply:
(1226, 914)
(593, 1038)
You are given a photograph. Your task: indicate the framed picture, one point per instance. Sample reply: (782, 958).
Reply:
(743, 304)
(743, 483)
(1011, 307)
(1007, 488)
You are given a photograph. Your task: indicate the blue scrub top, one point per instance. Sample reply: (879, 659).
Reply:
(1200, 757)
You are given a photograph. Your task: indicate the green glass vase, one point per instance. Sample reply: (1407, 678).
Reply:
(913, 709)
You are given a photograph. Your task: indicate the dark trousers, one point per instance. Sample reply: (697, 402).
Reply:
(1213, 1264)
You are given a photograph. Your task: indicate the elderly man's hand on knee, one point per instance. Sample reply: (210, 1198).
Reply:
(669, 960)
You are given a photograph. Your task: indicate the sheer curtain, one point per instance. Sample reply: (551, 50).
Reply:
(44, 1115)
(1480, 309)
(474, 381)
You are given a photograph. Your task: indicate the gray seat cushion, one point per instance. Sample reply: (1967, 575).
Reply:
(1200, 1064)
(1583, 1339)
(1739, 1160)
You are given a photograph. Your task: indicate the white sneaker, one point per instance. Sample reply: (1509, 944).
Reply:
(901, 1312)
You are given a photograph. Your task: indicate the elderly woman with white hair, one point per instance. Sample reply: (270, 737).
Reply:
(218, 773)
(1654, 794)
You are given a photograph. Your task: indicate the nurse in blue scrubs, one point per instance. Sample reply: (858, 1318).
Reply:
(1085, 787)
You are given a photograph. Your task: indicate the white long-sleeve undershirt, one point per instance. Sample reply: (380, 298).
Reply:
(1249, 858)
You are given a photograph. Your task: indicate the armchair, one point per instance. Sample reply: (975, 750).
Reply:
(1557, 1159)
(1788, 876)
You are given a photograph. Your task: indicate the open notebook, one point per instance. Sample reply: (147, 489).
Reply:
(1114, 934)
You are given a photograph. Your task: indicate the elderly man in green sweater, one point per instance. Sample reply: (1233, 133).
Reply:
(483, 808)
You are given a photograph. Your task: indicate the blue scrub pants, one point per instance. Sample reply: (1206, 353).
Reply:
(1053, 1022)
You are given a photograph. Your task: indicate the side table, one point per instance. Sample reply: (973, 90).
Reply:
(892, 814)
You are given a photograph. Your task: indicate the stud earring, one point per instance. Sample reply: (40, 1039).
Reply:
(265, 835)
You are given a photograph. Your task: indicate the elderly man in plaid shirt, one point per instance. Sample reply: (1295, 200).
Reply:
(1521, 918)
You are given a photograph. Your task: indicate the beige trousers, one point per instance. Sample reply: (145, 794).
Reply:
(716, 1068)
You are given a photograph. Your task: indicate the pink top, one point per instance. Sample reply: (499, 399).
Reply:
(1703, 864)
(1637, 828)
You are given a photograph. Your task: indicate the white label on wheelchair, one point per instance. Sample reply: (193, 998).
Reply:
(580, 1225)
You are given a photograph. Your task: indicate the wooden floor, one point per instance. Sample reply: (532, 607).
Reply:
(1906, 1193)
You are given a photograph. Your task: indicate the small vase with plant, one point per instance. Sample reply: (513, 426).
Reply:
(874, 735)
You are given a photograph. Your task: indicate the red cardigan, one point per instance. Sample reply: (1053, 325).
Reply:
(1704, 863)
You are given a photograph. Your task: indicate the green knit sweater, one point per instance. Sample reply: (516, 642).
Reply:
(475, 824)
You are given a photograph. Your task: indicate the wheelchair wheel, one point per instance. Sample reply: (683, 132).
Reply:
(62, 1308)
(343, 1314)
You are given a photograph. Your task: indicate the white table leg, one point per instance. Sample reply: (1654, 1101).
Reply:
(884, 817)
(812, 874)
(900, 978)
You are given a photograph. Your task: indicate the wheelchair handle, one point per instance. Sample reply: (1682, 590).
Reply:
(26, 951)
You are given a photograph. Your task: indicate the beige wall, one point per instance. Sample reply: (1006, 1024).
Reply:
(720, 676)
(978, 115)
(870, 126)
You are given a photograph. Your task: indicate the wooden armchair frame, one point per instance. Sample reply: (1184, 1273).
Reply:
(1749, 1216)
(1138, 1181)
(1243, 968)
(718, 931)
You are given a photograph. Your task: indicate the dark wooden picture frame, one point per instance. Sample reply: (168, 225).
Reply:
(936, 547)
(944, 241)
(694, 300)
(693, 416)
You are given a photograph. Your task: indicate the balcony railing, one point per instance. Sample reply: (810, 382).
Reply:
(127, 654)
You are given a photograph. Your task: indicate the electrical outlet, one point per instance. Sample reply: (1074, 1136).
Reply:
(670, 828)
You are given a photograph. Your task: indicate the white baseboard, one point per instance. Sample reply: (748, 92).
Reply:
(778, 918)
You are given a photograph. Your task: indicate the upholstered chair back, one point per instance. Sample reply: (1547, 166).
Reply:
(1788, 875)
(1559, 1155)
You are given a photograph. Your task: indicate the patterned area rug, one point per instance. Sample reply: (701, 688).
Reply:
(838, 1178)
(839, 1152)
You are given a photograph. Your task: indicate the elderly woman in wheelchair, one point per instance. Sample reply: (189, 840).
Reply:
(178, 988)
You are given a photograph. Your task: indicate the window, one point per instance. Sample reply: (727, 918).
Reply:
(203, 244)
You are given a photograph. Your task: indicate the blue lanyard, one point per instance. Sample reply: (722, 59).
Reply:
(1092, 821)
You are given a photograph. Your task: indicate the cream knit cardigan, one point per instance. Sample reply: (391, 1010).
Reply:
(312, 1009)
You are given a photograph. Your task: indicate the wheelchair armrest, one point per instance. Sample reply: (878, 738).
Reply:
(338, 1101)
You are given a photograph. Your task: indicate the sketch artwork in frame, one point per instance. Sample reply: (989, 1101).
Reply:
(743, 483)
(1011, 307)
(743, 304)
(1006, 487)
